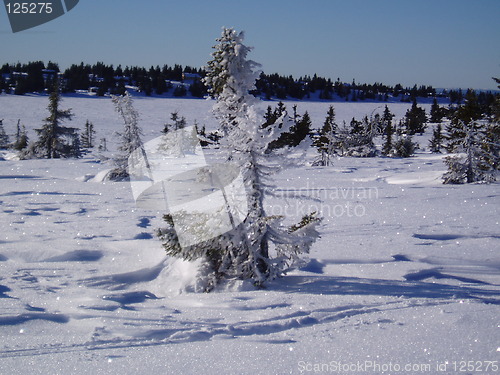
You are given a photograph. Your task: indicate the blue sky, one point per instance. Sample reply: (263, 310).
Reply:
(444, 43)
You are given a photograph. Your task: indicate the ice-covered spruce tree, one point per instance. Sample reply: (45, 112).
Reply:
(130, 137)
(260, 247)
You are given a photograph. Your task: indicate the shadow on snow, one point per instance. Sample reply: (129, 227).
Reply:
(325, 285)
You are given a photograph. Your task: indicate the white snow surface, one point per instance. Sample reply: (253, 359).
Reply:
(405, 279)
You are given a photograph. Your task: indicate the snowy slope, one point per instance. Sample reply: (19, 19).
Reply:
(405, 279)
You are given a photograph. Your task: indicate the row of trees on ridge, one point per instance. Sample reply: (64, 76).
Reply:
(109, 80)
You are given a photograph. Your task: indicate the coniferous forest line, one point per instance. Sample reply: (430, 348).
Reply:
(186, 81)
(468, 125)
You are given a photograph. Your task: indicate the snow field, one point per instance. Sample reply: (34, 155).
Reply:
(407, 271)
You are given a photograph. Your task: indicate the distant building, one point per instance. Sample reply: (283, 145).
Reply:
(190, 78)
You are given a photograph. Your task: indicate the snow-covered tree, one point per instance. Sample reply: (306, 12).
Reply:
(22, 140)
(357, 139)
(467, 113)
(178, 140)
(477, 160)
(490, 144)
(103, 145)
(260, 247)
(403, 146)
(55, 140)
(130, 137)
(4, 138)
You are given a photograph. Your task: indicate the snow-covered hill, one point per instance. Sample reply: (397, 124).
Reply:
(405, 279)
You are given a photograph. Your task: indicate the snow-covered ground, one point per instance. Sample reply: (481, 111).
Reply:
(405, 279)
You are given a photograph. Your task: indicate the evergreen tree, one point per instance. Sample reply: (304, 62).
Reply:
(454, 136)
(376, 124)
(474, 163)
(415, 119)
(490, 145)
(357, 127)
(301, 130)
(87, 138)
(466, 113)
(496, 104)
(4, 138)
(343, 138)
(357, 141)
(297, 133)
(469, 111)
(387, 129)
(437, 113)
(21, 85)
(22, 140)
(3, 85)
(178, 122)
(436, 143)
(387, 117)
(76, 145)
(280, 110)
(55, 140)
(278, 118)
(244, 252)
(403, 146)
(325, 142)
(270, 117)
(387, 148)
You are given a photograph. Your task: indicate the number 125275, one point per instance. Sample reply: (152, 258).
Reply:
(29, 8)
